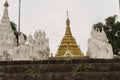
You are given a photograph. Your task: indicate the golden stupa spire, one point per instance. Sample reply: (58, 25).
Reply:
(68, 46)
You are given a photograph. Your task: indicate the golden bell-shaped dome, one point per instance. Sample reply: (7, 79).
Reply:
(68, 46)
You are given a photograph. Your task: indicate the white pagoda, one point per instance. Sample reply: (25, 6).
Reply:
(34, 48)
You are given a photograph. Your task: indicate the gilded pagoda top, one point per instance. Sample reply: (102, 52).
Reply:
(68, 46)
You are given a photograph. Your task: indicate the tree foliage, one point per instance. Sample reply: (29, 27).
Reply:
(112, 30)
(17, 33)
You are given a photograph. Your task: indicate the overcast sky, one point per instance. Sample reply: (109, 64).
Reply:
(50, 16)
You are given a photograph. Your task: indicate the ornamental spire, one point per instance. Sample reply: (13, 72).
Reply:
(67, 14)
(67, 21)
(5, 19)
(68, 31)
(6, 4)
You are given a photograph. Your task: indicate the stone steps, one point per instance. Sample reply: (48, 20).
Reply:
(61, 61)
(44, 68)
(64, 76)
(75, 69)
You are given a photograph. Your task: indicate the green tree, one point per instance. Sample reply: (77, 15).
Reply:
(112, 30)
(17, 34)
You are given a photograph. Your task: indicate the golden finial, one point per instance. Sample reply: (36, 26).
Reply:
(67, 21)
(67, 14)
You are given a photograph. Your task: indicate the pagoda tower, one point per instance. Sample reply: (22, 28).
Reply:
(68, 46)
(7, 37)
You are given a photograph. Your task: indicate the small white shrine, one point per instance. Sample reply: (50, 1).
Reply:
(98, 46)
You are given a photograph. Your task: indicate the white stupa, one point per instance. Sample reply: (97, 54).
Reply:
(7, 38)
(37, 47)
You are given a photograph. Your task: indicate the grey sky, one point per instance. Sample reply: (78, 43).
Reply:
(50, 16)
